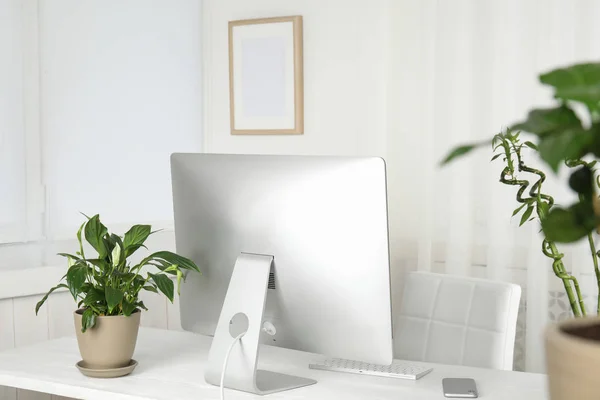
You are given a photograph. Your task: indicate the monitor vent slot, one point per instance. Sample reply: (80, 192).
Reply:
(271, 280)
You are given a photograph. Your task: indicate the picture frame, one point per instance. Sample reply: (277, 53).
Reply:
(266, 80)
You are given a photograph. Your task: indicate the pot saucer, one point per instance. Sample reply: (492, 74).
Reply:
(106, 372)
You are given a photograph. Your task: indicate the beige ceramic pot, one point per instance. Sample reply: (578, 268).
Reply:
(110, 343)
(573, 359)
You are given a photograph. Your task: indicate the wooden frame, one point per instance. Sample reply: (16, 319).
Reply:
(239, 127)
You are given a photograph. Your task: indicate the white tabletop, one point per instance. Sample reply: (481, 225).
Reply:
(171, 367)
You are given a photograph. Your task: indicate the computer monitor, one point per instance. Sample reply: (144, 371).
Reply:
(321, 222)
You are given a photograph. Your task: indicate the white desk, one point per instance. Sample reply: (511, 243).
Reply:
(171, 366)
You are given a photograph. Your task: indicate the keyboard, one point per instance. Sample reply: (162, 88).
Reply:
(398, 369)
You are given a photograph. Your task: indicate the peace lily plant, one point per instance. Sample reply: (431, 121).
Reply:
(566, 134)
(106, 285)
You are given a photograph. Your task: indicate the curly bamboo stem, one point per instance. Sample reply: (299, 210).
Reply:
(506, 177)
(575, 299)
(537, 186)
(543, 202)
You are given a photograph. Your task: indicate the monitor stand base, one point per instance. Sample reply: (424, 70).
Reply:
(245, 300)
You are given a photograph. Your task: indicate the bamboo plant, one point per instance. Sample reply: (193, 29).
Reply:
(535, 204)
(566, 134)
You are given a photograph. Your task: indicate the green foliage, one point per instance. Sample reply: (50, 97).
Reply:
(458, 152)
(526, 215)
(580, 83)
(561, 138)
(135, 238)
(565, 145)
(569, 225)
(108, 284)
(532, 199)
(582, 181)
(547, 121)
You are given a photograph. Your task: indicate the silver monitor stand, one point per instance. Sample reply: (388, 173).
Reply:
(246, 295)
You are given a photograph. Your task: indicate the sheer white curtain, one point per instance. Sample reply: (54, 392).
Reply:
(460, 71)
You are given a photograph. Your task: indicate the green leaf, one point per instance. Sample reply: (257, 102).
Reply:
(100, 263)
(86, 287)
(568, 144)
(128, 308)
(76, 277)
(531, 145)
(546, 121)
(71, 259)
(518, 209)
(113, 298)
(43, 300)
(582, 181)
(81, 253)
(580, 82)
(174, 259)
(67, 255)
(135, 238)
(172, 269)
(88, 320)
(458, 152)
(595, 129)
(141, 305)
(150, 288)
(112, 240)
(526, 214)
(164, 266)
(164, 284)
(94, 295)
(496, 156)
(138, 282)
(569, 225)
(497, 141)
(543, 209)
(94, 232)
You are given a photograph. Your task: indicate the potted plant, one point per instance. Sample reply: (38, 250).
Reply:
(569, 134)
(106, 287)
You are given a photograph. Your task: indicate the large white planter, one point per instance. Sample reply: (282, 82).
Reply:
(573, 359)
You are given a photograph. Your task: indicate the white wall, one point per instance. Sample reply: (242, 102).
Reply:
(344, 76)
(120, 90)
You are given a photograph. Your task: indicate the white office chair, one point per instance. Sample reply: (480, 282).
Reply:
(456, 320)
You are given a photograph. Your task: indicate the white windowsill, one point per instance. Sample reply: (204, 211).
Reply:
(29, 281)
(37, 281)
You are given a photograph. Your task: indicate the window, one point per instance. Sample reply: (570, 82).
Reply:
(13, 173)
(91, 107)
